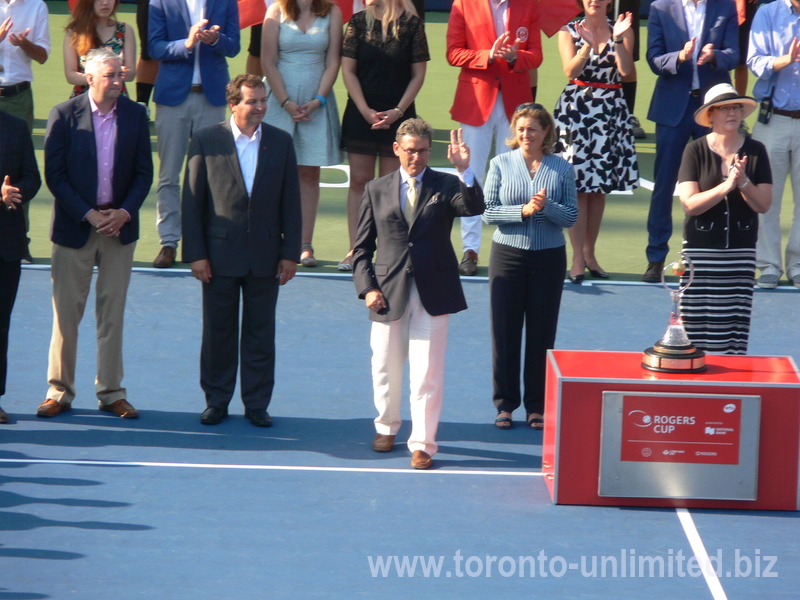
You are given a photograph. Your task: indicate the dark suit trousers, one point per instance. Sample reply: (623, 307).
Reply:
(670, 142)
(525, 288)
(9, 282)
(219, 353)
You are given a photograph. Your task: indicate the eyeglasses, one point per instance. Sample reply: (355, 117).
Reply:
(728, 107)
(414, 152)
(529, 106)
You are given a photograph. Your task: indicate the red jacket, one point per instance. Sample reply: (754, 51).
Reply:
(470, 35)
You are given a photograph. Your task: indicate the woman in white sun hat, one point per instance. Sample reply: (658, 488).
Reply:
(724, 182)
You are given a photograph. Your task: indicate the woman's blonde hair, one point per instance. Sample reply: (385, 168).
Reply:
(392, 11)
(540, 114)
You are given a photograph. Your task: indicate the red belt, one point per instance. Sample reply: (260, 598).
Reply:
(597, 84)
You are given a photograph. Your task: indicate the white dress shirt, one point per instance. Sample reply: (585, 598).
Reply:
(247, 150)
(15, 65)
(695, 18)
(197, 10)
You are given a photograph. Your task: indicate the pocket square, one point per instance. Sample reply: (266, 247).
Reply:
(435, 198)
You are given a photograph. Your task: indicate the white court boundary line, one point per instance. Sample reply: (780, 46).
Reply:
(700, 553)
(684, 516)
(114, 463)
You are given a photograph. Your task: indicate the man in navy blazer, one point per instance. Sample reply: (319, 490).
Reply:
(691, 46)
(241, 229)
(192, 40)
(99, 167)
(413, 286)
(19, 182)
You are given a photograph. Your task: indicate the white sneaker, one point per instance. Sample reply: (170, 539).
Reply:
(768, 281)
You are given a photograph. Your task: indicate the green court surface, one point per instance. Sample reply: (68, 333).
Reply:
(622, 239)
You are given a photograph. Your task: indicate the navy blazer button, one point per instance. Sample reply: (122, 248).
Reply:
(410, 244)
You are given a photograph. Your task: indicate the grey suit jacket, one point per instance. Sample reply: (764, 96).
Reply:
(237, 233)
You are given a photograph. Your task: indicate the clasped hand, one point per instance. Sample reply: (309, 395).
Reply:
(108, 221)
(535, 204)
(503, 48)
(737, 176)
(198, 34)
(706, 52)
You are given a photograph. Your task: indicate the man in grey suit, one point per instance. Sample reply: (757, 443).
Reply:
(241, 231)
(413, 287)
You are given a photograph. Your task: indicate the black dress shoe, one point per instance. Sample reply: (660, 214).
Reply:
(598, 274)
(213, 415)
(258, 417)
(576, 278)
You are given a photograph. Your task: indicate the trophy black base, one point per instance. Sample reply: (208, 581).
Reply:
(682, 359)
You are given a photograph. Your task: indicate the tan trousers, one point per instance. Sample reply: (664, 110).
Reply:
(72, 277)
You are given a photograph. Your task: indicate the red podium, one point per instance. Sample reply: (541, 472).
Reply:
(703, 440)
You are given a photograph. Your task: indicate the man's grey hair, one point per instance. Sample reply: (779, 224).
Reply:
(415, 127)
(97, 57)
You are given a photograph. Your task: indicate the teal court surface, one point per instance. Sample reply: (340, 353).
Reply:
(95, 507)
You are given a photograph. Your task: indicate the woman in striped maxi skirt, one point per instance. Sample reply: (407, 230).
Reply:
(725, 181)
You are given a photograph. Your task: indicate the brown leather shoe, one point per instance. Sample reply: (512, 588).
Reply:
(3, 416)
(382, 443)
(421, 460)
(50, 408)
(469, 263)
(165, 258)
(653, 272)
(121, 408)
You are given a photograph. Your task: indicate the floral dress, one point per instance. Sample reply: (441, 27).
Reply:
(593, 124)
(117, 44)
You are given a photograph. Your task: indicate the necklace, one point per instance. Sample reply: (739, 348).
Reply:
(535, 167)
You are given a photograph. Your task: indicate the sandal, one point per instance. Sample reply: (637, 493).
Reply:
(535, 421)
(503, 422)
(346, 264)
(308, 261)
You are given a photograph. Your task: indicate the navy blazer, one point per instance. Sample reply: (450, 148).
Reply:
(667, 35)
(237, 233)
(18, 161)
(168, 27)
(422, 250)
(70, 168)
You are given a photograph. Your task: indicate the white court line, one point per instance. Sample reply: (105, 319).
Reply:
(700, 554)
(113, 463)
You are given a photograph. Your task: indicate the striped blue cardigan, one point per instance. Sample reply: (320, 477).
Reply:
(509, 186)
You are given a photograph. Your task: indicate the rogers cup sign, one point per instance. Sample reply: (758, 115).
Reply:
(681, 429)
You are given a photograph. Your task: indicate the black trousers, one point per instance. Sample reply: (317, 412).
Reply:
(525, 287)
(221, 344)
(9, 283)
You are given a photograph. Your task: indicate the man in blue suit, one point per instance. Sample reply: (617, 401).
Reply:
(691, 46)
(192, 39)
(99, 166)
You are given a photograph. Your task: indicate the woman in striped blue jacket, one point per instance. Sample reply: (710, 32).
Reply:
(530, 195)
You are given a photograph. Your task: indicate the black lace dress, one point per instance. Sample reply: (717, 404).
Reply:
(384, 71)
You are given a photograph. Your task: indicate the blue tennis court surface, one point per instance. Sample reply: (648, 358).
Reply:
(92, 506)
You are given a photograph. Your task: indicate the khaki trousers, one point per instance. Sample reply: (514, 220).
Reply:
(72, 277)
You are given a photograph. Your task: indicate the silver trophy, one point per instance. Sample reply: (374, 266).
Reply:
(674, 352)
